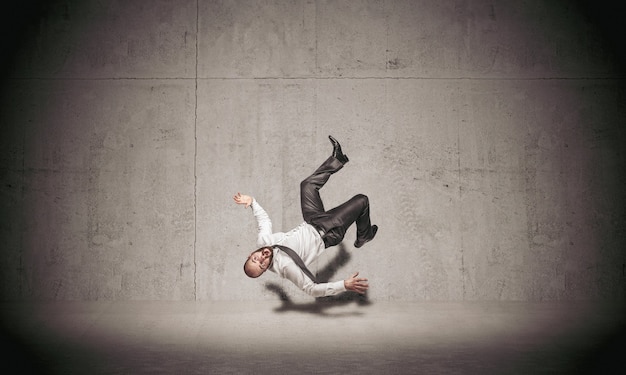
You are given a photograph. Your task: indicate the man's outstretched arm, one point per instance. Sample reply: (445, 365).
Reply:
(265, 236)
(294, 274)
(353, 283)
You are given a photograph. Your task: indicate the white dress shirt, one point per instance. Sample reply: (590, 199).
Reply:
(306, 242)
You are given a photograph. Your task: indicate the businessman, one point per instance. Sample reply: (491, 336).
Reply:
(289, 253)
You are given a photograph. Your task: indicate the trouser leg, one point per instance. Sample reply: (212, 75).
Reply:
(310, 200)
(337, 221)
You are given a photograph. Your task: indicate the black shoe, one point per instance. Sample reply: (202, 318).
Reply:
(358, 243)
(337, 154)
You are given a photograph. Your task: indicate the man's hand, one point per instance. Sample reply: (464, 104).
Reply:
(243, 199)
(355, 284)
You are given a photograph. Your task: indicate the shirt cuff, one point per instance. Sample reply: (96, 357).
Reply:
(338, 286)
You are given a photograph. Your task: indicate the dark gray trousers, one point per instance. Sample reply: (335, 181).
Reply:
(335, 222)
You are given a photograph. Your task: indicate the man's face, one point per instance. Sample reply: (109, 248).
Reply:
(260, 260)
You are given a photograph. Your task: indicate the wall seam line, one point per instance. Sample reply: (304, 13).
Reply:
(460, 177)
(323, 78)
(195, 165)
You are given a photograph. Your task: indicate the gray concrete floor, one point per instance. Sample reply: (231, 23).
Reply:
(322, 337)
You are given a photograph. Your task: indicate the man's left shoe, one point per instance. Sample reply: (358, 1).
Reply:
(337, 153)
(358, 243)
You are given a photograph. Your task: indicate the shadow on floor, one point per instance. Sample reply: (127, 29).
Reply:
(322, 304)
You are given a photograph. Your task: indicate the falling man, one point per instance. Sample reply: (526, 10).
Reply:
(288, 254)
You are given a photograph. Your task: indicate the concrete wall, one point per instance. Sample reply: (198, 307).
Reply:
(487, 134)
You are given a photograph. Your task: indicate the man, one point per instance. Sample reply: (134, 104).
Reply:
(321, 229)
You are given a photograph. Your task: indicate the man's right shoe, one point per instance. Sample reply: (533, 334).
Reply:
(358, 243)
(337, 153)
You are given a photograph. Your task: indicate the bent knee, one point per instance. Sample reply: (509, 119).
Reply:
(362, 199)
(304, 184)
